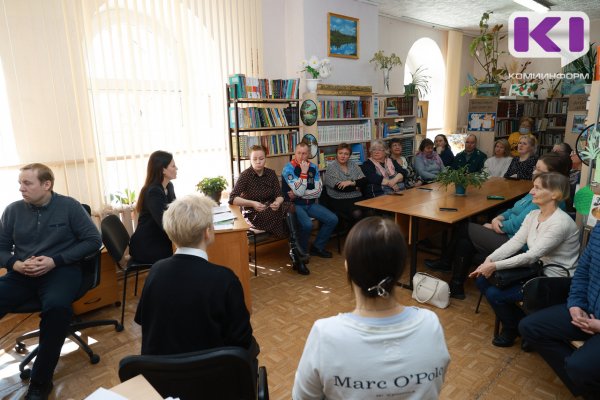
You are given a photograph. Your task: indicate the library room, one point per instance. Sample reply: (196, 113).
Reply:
(306, 199)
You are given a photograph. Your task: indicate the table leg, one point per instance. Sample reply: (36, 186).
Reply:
(414, 241)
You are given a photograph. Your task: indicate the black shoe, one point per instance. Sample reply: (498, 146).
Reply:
(505, 339)
(438, 265)
(302, 256)
(301, 268)
(39, 391)
(526, 346)
(457, 291)
(320, 252)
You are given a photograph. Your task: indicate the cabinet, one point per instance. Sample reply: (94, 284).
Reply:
(106, 293)
(272, 123)
(555, 121)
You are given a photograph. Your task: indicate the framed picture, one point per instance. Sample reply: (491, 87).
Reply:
(342, 36)
(576, 121)
(482, 122)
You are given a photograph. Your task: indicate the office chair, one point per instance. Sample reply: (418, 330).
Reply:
(222, 373)
(116, 240)
(91, 270)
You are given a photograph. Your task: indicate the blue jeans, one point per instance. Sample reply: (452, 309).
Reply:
(503, 302)
(304, 213)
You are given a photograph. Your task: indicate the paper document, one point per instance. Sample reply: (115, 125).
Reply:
(221, 209)
(228, 216)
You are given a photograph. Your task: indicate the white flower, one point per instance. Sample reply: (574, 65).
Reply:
(304, 63)
(314, 62)
(324, 70)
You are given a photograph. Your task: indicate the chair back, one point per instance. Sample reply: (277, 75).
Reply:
(545, 291)
(223, 373)
(115, 237)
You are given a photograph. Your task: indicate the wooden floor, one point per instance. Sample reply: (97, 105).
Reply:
(285, 307)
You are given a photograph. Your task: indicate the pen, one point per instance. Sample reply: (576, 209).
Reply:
(422, 188)
(448, 209)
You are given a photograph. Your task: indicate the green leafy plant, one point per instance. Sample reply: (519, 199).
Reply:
(382, 61)
(126, 197)
(419, 83)
(584, 65)
(592, 150)
(461, 177)
(211, 185)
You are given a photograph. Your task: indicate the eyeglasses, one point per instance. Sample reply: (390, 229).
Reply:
(467, 142)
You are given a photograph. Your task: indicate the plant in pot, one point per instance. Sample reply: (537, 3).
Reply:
(485, 49)
(419, 84)
(385, 63)
(461, 178)
(585, 66)
(212, 187)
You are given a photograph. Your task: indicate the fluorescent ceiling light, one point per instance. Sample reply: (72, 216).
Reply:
(533, 5)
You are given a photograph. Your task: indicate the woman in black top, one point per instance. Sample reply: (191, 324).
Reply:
(442, 147)
(149, 242)
(522, 166)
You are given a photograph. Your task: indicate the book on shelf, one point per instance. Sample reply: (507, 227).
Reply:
(243, 87)
(282, 143)
(263, 117)
(337, 109)
(344, 133)
(392, 106)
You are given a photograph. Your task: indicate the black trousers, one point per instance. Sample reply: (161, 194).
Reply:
(549, 331)
(55, 290)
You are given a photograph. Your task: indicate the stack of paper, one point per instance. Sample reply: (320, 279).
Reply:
(223, 218)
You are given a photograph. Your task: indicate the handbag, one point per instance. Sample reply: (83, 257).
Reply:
(431, 290)
(504, 278)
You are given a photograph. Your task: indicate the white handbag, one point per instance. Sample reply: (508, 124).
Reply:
(431, 290)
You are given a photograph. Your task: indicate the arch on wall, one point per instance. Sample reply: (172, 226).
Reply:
(426, 53)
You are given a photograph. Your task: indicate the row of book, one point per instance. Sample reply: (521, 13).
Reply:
(345, 109)
(345, 133)
(506, 126)
(557, 106)
(282, 143)
(262, 117)
(550, 139)
(556, 122)
(384, 130)
(243, 87)
(518, 109)
(392, 106)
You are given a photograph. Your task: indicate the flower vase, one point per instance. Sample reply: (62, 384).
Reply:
(311, 85)
(386, 81)
(460, 190)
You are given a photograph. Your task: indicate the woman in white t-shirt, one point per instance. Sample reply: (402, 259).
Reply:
(382, 349)
(498, 164)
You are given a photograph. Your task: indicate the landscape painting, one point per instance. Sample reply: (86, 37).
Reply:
(342, 36)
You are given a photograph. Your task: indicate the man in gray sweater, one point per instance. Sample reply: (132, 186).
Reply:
(42, 239)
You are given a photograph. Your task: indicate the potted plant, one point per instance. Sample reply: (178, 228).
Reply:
(317, 70)
(584, 65)
(212, 187)
(461, 178)
(419, 84)
(485, 49)
(385, 63)
(124, 198)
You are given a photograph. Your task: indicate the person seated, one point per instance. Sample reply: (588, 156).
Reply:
(43, 238)
(498, 164)
(550, 330)
(470, 156)
(401, 345)
(575, 172)
(188, 303)
(149, 242)
(470, 238)
(562, 148)
(412, 179)
(428, 163)
(343, 181)
(384, 175)
(522, 166)
(551, 236)
(303, 186)
(525, 128)
(442, 147)
(258, 192)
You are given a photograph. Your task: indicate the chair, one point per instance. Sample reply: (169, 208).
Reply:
(91, 270)
(221, 373)
(116, 239)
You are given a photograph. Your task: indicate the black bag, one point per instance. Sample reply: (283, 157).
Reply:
(504, 278)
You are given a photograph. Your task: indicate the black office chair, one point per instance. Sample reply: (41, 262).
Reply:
(116, 240)
(223, 373)
(91, 271)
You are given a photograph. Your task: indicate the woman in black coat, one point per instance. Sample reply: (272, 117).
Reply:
(149, 243)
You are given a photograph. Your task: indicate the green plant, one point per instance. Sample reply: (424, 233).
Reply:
(126, 197)
(212, 185)
(461, 177)
(584, 65)
(485, 49)
(382, 61)
(420, 82)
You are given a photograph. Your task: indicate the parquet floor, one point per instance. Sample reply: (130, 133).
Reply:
(285, 307)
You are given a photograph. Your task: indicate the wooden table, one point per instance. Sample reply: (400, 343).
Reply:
(230, 249)
(418, 206)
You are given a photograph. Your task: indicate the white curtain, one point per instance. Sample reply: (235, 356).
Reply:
(93, 87)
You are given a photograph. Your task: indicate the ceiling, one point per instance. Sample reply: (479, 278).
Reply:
(464, 15)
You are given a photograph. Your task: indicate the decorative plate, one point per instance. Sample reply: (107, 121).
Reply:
(308, 112)
(313, 146)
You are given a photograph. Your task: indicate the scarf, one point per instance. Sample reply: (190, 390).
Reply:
(389, 171)
(433, 157)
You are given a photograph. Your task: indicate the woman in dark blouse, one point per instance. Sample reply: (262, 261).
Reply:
(442, 147)
(384, 175)
(522, 166)
(149, 243)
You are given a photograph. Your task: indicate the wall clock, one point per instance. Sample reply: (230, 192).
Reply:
(313, 146)
(308, 112)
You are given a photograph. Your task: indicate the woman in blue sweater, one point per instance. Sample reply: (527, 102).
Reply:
(428, 163)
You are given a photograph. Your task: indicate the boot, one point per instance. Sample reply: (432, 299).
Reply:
(295, 249)
(298, 265)
(460, 269)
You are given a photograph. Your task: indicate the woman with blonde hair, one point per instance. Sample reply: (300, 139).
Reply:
(498, 164)
(522, 166)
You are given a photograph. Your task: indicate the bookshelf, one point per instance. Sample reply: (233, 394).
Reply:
(555, 120)
(270, 118)
(395, 116)
(422, 114)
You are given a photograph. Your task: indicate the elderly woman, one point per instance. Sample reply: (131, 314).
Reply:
(384, 175)
(522, 166)
(428, 163)
(551, 236)
(380, 336)
(498, 164)
(442, 147)
(258, 192)
(343, 181)
(396, 154)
